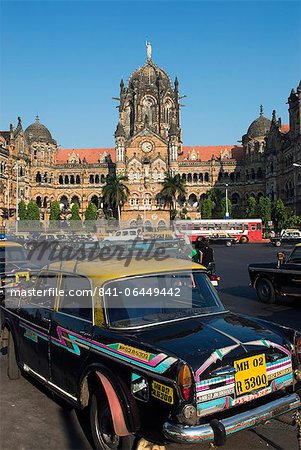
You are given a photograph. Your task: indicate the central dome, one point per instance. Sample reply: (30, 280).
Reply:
(38, 132)
(259, 127)
(149, 75)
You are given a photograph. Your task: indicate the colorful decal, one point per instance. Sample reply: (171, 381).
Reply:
(162, 392)
(33, 334)
(219, 393)
(73, 343)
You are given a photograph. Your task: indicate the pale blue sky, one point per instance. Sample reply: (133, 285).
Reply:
(64, 61)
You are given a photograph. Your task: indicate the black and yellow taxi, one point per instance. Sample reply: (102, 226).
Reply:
(149, 351)
(280, 278)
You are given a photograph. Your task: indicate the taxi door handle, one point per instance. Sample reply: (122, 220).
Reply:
(46, 319)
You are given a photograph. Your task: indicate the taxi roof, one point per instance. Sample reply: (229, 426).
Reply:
(9, 244)
(298, 245)
(100, 271)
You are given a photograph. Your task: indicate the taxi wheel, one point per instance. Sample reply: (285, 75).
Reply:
(102, 430)
(228, 243)
(266, 291)
(13, 370)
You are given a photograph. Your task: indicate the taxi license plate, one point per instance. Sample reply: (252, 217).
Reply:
(251, 374)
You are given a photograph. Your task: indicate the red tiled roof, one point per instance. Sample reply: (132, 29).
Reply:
(91, 155)
(285, 128)
(205, 153)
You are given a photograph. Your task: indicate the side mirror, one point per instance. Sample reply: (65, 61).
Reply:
(280, 258)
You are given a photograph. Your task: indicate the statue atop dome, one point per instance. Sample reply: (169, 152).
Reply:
(148, 50)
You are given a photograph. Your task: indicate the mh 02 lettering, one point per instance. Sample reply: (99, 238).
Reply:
(250, 374)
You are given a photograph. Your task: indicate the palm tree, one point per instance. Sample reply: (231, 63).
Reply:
(115, 192)
(173, 185)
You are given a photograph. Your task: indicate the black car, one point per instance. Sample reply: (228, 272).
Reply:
(287, 238)
(222, 239)
(150, 351)
(281, 278)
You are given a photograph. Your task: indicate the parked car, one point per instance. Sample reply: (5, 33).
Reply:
(14, 265)
(150, 351)
(222, 239)
(124, 235)
(281, 278)
(288, 237)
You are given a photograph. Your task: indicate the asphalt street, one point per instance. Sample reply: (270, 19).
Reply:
(31, 419)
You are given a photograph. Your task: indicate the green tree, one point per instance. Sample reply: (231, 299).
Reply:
(75, 212)
(33, 211)
(173, 185)
(115, 192)
(265, 210)
(206, 208)
(279, 215)
(223, 207)
(22, 210)
(293, 222)
(55, 210)
(91, 212)
(251, 211)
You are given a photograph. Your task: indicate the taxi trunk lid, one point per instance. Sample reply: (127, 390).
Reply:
(235, 359)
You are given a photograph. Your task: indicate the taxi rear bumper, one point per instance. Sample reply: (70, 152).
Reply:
(218, 430)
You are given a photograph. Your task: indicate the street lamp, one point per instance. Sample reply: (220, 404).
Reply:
(227, 207)
(16, 167)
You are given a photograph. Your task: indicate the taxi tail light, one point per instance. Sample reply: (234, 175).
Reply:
(185, 381)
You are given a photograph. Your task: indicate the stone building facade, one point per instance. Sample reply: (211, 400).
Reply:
(148, 142)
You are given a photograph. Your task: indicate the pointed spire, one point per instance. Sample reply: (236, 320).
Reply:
(37, 119)
(176, 84)
(121, 86)
(299, 87)
(274, 116)
(119, 131)
(19, 121)
(261, 110)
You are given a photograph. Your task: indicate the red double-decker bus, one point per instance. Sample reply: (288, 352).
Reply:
(244, 230)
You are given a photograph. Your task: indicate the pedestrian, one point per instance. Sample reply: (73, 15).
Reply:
(206, 252)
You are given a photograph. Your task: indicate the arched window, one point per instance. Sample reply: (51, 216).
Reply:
(184, 176)
(206, 176)
(77, 179)
(189, 178)
(61, 180)
(45, 202)
(192, 200)
(75, 199)
(91, 179)
(195, 177)
(235, 198)
(38, 177)
(64, 203)
(97, 179)
(94, 200)
(39, 201)
(45, 177)
(72, 179)
(66, 179)
(259, 174)
(201, 178)
(102, 179)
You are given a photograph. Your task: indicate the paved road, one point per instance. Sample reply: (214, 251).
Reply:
(31, 419)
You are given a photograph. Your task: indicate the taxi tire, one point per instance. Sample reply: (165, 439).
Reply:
(100, 414)
(265, 291)
(13, 371)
